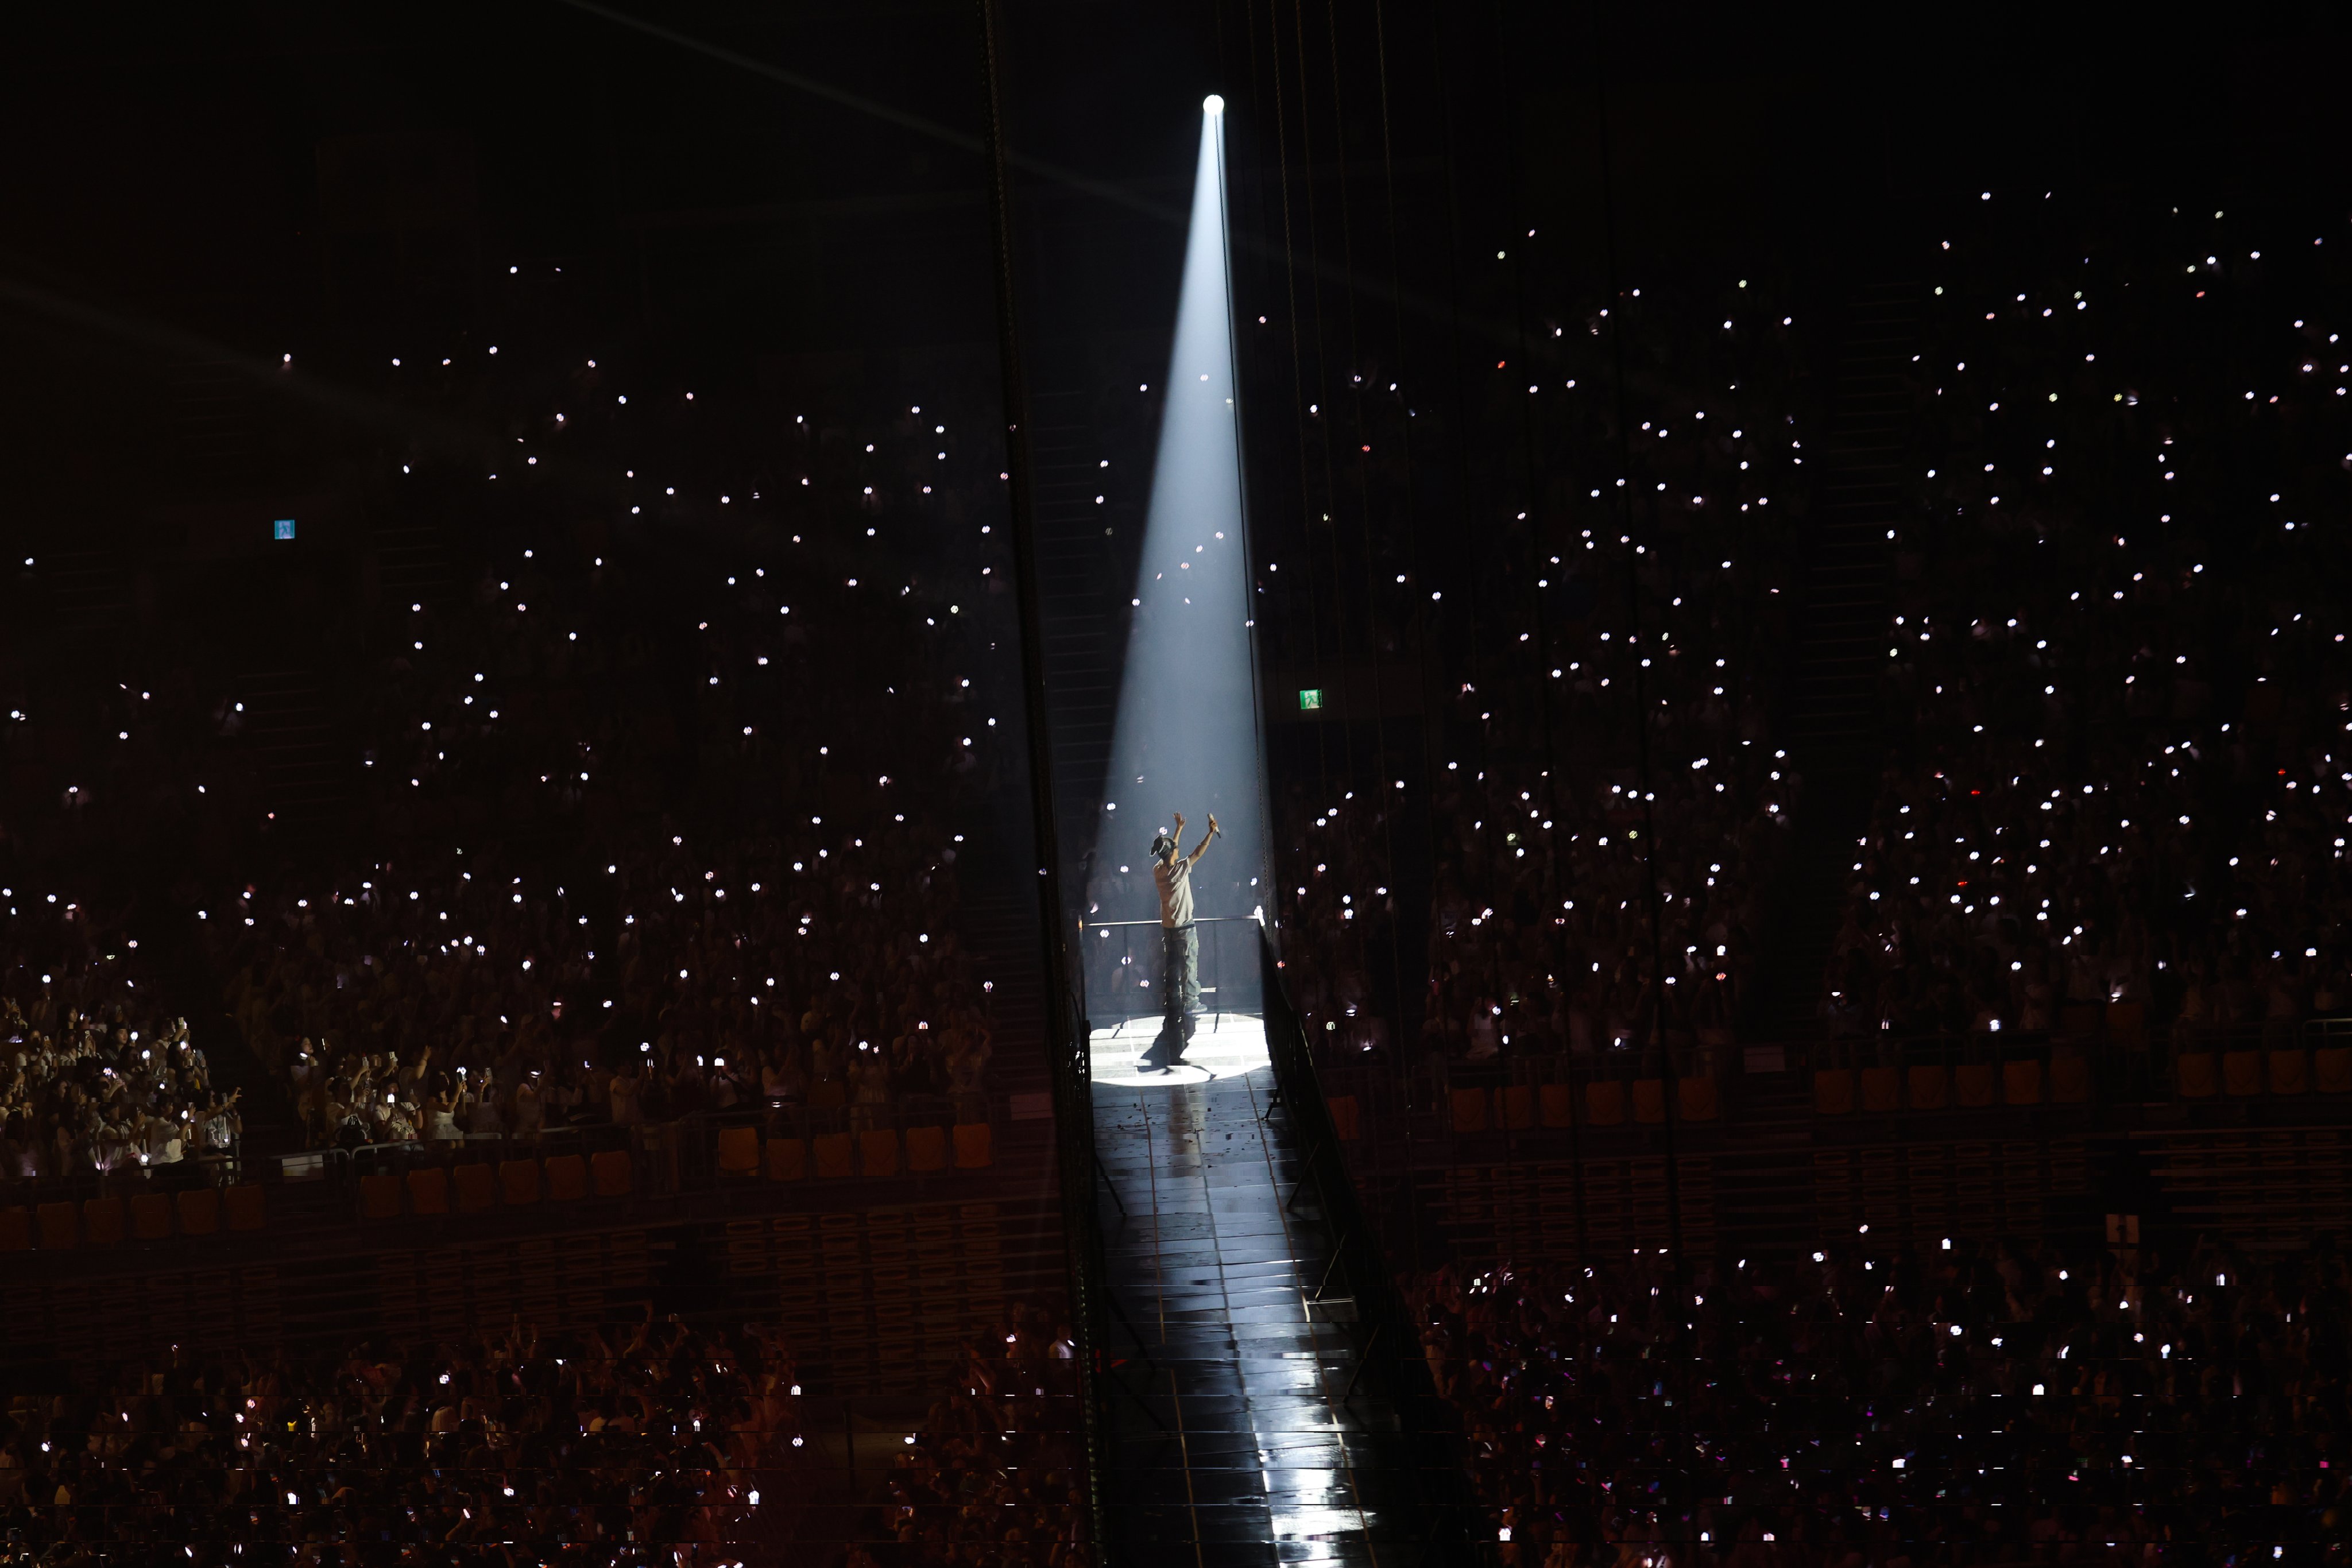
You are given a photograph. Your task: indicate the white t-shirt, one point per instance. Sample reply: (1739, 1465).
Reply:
(1174, 880)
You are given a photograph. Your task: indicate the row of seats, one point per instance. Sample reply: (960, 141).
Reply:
(742, 1155)
(2064, 1080)
(472, 1187)
(2201, 1074)
(1520, 1107)
(146, 1216)
(834, 1157)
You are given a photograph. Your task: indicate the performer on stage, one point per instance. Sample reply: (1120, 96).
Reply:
(1179, 1000)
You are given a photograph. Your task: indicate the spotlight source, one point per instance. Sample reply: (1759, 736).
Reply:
(1213, 104)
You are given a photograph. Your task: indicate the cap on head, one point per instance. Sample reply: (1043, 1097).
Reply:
(1162, 846)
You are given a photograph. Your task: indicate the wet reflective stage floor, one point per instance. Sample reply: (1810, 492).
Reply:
(1240, 1443)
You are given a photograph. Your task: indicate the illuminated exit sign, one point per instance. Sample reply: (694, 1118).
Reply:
(282, 529)
(1309, 698)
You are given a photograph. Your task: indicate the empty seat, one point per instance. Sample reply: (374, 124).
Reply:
(378, 1197)
(738, 1151)
(199, 1211)
(878, 1152)
(1518, 1106)
(2194, 1074)
(1696, 1099)
(245, 1207)
(2127, 1025)
(1832, 1091)
(2242, 1071)
(610, 1169)
(150, 1215)
(787, 1159)
(60, 1232)
(2070, 1079)
(1881, 1090)
(16, 1229)
(1649, 1099)
(927, 1148)
(567, 1178)
(833, 1155)
(1556, 1103)
(101, 1221)
(2020, 1083)
(975, 1149)
(2290, 1073)
(1469, 1110)
(476, 1185)
(1604, 1103)
(1931, 1086)
(2332, 1068)
(1973, 1083)
(518, 1182)
(428, 1190)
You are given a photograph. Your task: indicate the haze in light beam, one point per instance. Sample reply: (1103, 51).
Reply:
(1187, 737)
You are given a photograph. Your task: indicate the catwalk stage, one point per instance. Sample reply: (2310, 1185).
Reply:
(1240, 1443)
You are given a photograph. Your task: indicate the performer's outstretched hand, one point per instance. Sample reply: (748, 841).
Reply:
(1213, 828)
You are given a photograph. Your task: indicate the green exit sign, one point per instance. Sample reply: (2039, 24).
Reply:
(1309, 698)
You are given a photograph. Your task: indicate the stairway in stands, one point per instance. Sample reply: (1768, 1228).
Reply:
(1831, 725)
(306, 765)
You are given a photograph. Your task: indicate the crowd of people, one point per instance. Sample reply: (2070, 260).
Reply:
(1538, 916)
(655, 1441)
(1964, 1404)
(2117, 671)
(656, 824)
(94, 1078)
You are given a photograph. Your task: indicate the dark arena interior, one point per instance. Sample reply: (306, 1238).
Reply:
(932, 785)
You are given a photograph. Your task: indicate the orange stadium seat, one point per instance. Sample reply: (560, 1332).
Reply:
(380, 1197)
(926, 1149)
(2070, 1079)
(476, 1185)
(974, 1148)
(1518, 1107)
(518, 1182)
(248, 1210)
(60, 1231)
(2193, 1072)
(1556, 1102)
(1344, 1119)
(1832, 1091)
(1696, 1098)
(610, 1169)
(2020, 1083)
(787, 1159)
(1881, 1090)
(1604, 1101)
(2290, 1071)
(833, 1155)
(101, 1221)
(2242, 1072)
(878, 1152)
(199, 1211)
(1973, 1083)
(150, 1215)
(2332, 1068)
(1931, 1086)
(1469, 1110)
(738, 1151)
(567, 1177)
(428, 1190)
(16, 1229)
(1649, 1099)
